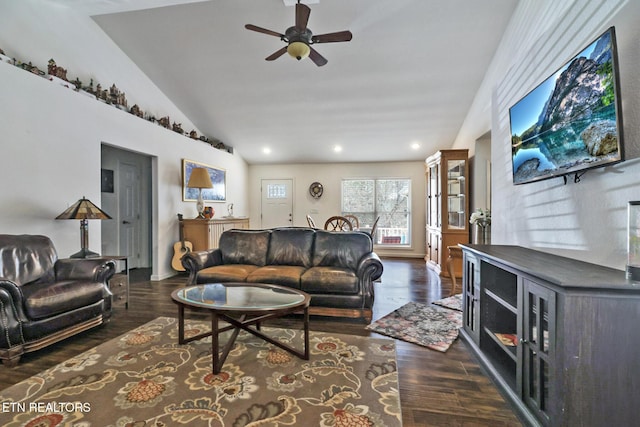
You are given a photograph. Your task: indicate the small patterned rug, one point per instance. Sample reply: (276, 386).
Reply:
(429, 326)
(453, 302)
(145, 378)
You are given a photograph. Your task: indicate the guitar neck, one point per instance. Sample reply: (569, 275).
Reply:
(181, 229)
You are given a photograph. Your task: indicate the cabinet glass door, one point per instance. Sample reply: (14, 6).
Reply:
(538, 346)
(471, 292)
(434, 196)
(456, 203)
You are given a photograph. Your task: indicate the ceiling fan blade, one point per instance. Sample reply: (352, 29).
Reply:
(302, 15)
(263, 30)
(318, 59)
(276, 54)
(340, 36)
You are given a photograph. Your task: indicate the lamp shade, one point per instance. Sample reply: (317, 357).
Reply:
(298, 50)
(199, 179)
(83, 209)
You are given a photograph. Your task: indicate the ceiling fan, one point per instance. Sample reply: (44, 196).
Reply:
(299, 38)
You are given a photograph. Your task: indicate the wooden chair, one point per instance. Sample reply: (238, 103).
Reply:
(355, 223)
(454, 252)
(373, 230)
(338, 223)
(311, 222)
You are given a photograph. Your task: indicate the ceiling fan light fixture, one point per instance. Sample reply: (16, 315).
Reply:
(298, 50)
(299, 37)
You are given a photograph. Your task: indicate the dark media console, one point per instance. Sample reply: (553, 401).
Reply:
(558, 336)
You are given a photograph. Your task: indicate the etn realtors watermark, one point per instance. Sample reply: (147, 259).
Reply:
(50, 407)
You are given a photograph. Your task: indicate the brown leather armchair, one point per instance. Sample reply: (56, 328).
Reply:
(44, 299)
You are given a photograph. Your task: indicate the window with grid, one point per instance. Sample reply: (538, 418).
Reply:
(387, 198)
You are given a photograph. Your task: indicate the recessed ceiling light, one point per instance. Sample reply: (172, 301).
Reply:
(337, 148)
(266, 150)
(415, 145)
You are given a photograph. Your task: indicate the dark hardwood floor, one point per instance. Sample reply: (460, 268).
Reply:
(436, 389)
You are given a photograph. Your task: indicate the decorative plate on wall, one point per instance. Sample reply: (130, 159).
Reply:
(315, 190)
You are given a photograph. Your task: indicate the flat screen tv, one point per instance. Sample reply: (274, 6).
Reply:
(571, 121)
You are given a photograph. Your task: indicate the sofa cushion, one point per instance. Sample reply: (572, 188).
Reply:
(329, 280)
(291, 246)
(340, 249)
(285, 275)
(43, 300)
(226, 273)
(27, 258)
(244, 246)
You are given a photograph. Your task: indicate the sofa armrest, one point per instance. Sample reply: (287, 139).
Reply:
(370, 266)
(94, 269)
(11, 314)
(195, 261)
(369, 270)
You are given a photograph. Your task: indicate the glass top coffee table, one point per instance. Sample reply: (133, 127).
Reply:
(243, 306)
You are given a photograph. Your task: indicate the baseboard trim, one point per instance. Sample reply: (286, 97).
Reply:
(158, 277)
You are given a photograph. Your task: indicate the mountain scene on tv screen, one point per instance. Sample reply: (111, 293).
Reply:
(576, 126)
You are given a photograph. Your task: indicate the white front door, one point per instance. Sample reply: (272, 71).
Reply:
(129, 212)
(277, 203)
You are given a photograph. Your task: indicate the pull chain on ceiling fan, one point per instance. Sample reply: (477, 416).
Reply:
(299, 38)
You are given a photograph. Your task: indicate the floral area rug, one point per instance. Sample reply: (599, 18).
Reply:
(453, 302)
(145, 378)
(429, 326)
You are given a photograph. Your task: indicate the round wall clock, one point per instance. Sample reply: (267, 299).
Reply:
(315, 190)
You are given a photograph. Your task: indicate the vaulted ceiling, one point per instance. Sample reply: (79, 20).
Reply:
(407, 78)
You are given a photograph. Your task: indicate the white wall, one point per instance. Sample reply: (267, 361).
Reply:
(481, 170)
(51, 136)
(586, 220)
(330, 176)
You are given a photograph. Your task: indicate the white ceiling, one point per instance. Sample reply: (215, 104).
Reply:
(408, 76)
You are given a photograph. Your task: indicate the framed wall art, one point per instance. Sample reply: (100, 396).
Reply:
(218, 178)
(106, 180)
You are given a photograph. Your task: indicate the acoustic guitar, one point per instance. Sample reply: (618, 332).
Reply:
(180, 248)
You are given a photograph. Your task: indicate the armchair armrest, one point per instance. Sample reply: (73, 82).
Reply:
(9, 288)
(11, 313)
(94, 269)
(195, 261)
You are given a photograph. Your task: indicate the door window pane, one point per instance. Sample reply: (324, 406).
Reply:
(276, 191)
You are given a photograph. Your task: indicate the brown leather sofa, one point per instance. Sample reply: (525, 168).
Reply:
(44, 299)
(336, 268)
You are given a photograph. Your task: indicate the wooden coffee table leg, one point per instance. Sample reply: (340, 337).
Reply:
(220, 356)
(215, 345)
(306, 333)
(181, 324)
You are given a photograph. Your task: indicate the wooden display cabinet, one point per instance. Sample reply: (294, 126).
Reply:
(447, 207)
